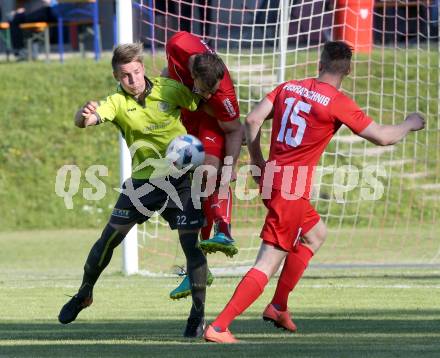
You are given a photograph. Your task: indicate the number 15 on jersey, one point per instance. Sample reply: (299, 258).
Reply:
(286, 135)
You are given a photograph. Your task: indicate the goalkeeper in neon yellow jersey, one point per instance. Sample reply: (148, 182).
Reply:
(147, 112)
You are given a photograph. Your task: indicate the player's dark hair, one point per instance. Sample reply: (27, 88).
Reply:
(336, 57)
(209, 68)
(127, 53)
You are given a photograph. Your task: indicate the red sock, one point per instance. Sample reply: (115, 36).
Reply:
(248, 290)
(294, 266)
(220, 211)
(206, 230)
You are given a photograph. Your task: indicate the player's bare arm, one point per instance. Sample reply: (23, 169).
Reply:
(86, 115)
(233, 136)
(390, 134)
(253, 123)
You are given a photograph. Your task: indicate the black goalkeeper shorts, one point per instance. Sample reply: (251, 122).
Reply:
(170, 197)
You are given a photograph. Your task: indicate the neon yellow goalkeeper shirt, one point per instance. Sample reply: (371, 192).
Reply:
(150, 128)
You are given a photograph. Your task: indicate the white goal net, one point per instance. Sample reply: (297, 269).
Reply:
(381, 204)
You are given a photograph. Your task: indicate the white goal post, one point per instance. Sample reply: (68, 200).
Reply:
(130, 260)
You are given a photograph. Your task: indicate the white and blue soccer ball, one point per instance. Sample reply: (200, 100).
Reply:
(186, 150)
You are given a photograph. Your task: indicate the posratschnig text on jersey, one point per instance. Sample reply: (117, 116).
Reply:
(304, 92)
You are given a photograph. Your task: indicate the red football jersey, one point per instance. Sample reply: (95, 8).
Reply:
(179, 49)
(306, 115)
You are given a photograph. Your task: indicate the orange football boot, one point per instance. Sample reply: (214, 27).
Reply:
(211, 335)
(281, 319)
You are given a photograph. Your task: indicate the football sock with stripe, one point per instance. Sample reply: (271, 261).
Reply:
(294, 266)
(248, 290)
(98, 259)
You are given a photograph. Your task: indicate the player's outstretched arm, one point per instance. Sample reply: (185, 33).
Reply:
(86, 116)
(253, 123)
(391, 134)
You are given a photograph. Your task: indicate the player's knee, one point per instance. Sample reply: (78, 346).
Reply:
(123, 228)
(316, 237)
(321, 233)
(268, 269)
(101, 252)
(188, 231)
(193, 253)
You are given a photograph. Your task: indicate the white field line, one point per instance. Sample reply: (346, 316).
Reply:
(413, 175)
(431, 197)
(271, 284)
(434, 186)
(261, 80)
(398, 162)
(371, 151)
(247, 68)
(79, 342)
(343, 286)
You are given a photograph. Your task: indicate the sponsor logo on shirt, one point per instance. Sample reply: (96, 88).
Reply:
(154, 127)
(131, 109)
(229, 107)
(211, 139)
(121, 213)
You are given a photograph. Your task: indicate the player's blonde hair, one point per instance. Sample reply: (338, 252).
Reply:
(127, 53)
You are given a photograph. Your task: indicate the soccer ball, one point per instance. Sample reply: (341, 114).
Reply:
(186, 150)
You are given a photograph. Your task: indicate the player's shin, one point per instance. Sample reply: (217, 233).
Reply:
(294, 266)
(197, 271)
(247, 291)
(98, 259)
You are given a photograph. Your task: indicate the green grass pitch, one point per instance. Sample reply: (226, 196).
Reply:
(340, 313)
(346, 312)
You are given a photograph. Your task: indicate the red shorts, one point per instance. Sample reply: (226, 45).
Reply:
(207, 129)
(287, 220)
